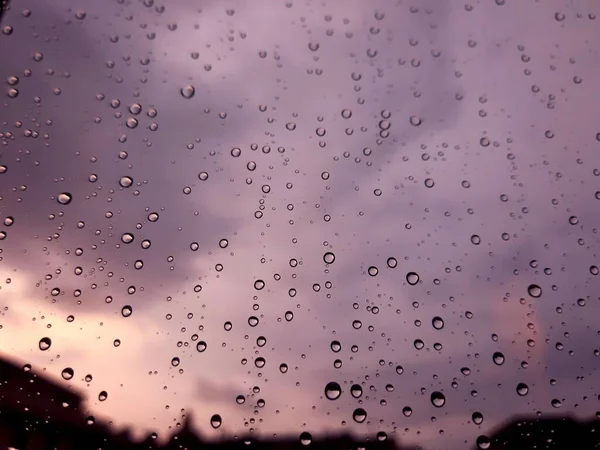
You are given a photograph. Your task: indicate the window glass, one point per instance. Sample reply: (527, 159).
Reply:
(294, 218)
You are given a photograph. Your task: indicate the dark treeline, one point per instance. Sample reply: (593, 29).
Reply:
(38, 414)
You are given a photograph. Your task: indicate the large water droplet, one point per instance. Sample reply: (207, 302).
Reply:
(356, 391)
(498, 358)
(216, 421)
(67, 373)
(64, 198)
(126, 311)
(437, 322)
(438, 399)
(125, 181)
(359, 415)
(201, 346)
(305, 438)
(329, 258)
(45, 343)
(373, 271)
(522, 389)
(534, 290)
(127, 238)
(333, 390)
(483, 442)
(412, 278)
(188, 91)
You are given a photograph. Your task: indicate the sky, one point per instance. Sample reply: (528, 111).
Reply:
(458, 139)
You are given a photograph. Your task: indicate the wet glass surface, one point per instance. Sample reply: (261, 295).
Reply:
(286, 217)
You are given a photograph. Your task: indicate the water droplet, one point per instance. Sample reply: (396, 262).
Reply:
(475, 239)
(438, 399)
(127, 238)
(412, 278)
(103, 395)
(126, 311)
(223, 243)
(483, 442)
(356, 391)
(438, 323)
(305, 438)
(333, 390)
(216, 421)
(175, 361)
(188, 91)
(67, 373)
(359, 415)
(259, 285)
(335, 346)
(477, 418)
(415, 121)
(203, 176)
(329, 258)
(498, 358)
(313, 46)
(64, 198)
(392, 262)
(201, 346)
(534, 290)
(373, 271)
(522, 389)
(126, 181)
(45, 343)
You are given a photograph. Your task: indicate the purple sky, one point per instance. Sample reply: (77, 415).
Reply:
(348, 110)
